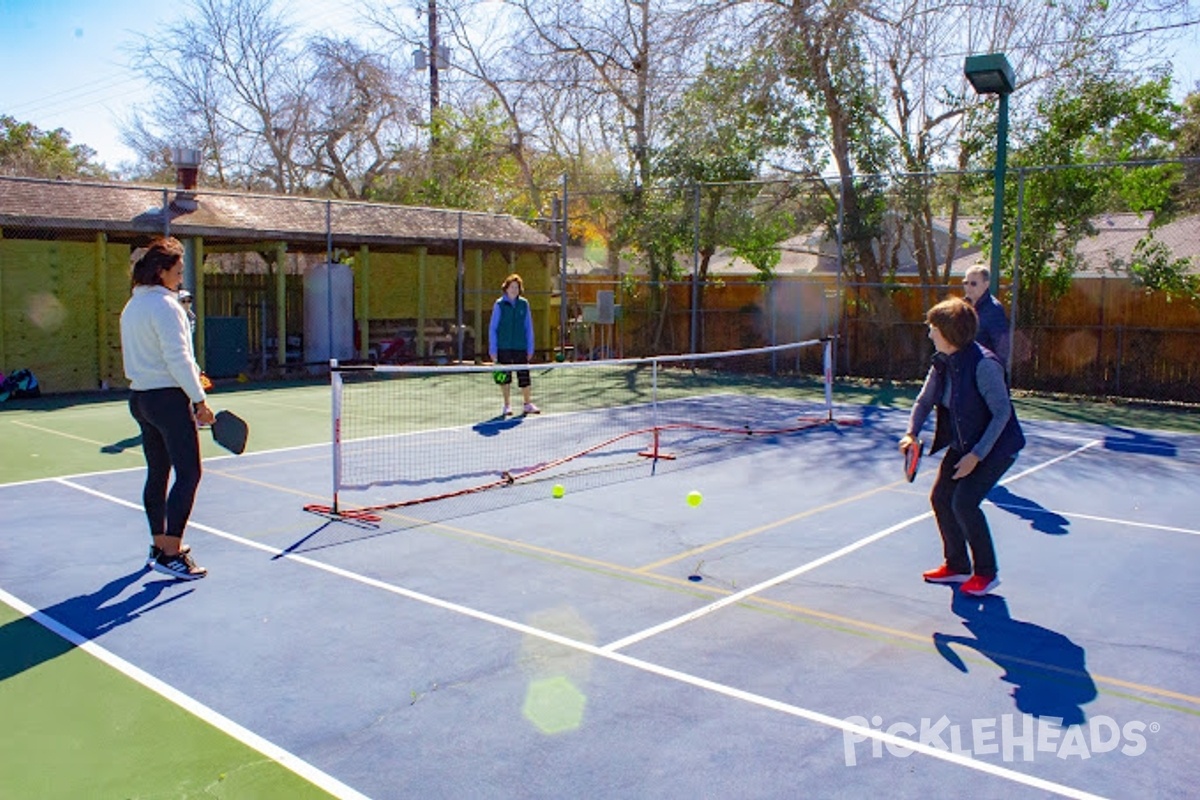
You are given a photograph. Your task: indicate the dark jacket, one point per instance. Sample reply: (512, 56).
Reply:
(993, 327)
(962, 424)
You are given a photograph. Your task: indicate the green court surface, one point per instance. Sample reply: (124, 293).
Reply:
(82, 728)
(75, 727)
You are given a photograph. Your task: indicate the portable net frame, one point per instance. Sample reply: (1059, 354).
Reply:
(434, 437)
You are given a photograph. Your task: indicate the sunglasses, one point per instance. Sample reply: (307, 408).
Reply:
(970, 283)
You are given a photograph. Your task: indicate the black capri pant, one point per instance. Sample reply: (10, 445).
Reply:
(169, 441)
(515, 357)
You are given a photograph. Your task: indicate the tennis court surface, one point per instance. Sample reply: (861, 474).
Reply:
(774, 641)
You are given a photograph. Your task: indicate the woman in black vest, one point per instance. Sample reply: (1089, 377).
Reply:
(978, 427)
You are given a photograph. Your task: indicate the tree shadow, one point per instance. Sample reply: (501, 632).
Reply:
(1040, 518)
(25, 643)
(1048, 671)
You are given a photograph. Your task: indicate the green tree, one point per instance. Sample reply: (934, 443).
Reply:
(27, 151)
(717, 137)
(1099, 121)
(466, 163)
(1154, 268)
(1187, 146)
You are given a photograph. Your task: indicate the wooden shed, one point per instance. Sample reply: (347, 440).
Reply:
(66, 249)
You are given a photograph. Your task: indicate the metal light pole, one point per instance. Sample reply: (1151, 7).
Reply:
(992, 74)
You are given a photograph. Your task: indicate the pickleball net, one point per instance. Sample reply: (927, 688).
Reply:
(420, 436)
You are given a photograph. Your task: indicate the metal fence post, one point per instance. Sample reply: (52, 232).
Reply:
(460, 282)
(842, 322)
(329, 275)
(695, 264)
(1016, 274)
(562, 297)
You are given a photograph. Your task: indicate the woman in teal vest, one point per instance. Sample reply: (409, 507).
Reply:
(510, 341)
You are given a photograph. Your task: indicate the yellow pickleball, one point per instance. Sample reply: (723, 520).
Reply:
(694, 498)
(558, 491)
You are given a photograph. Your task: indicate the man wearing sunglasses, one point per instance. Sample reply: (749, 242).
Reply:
(993, 322)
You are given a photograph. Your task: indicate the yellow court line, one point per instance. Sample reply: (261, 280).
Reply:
(60, 433)
(255, 400)
(642, 572)
(265, 485)
(769, 526)
(810, 612)
(926, 639)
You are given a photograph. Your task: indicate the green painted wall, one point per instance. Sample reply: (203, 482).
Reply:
(394, 281)
(60, 303)
(53, 296)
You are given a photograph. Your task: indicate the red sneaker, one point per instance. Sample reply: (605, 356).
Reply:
(980, 585)
(944, 574)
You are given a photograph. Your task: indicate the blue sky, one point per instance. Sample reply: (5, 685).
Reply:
(62, 62)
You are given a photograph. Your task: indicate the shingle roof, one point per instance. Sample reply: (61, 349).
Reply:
(127, 212)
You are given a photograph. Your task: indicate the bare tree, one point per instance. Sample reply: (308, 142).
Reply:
(356, 119)
(269, 110)
(231, 72)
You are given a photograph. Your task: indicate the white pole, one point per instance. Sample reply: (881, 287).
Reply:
(335, 383)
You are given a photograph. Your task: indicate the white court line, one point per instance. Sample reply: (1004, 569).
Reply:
(737, 597)
(1125, 523)
(811, 565)
(188, 703)
(639, 664)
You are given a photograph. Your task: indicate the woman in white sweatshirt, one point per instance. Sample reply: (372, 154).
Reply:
(167, 401)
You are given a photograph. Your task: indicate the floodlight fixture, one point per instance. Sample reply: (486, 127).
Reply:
(990, 73)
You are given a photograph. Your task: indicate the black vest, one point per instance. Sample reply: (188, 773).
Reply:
(962, 423)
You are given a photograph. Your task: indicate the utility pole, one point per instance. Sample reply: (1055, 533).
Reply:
(434, 57)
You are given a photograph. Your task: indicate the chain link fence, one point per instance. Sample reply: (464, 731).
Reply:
(1103, 299)
(281, 284)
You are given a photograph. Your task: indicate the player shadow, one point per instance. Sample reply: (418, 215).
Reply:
(1040, 518)
(1048, 671)
(123, 445)
(1141, 443)
(497, 424)
(25, 644)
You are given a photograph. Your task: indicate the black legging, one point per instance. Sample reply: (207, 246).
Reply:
(961, 522)
(169, 440)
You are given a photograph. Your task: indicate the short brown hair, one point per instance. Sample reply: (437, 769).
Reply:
(955, 319)
(511, 278)
(162, 253)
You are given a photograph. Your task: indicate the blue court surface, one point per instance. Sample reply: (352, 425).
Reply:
(774, 641)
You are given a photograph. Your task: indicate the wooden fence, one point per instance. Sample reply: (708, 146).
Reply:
(1104, 337)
